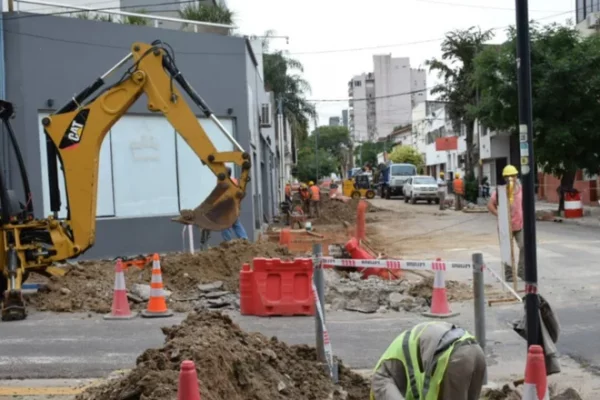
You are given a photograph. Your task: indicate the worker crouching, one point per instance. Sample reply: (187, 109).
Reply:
(432, 361)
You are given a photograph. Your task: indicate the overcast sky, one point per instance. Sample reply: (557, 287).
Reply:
(336, 39)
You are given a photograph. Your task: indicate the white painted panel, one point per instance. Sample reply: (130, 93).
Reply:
(145, 176)
(504, 227)
(105, 205)
(196, 181)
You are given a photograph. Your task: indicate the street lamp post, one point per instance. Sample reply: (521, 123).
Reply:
(527, 170)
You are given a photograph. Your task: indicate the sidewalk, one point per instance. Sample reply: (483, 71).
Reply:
(591, 215)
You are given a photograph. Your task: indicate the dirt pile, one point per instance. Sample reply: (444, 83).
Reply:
(347, 291)
(335, 211)
(88, 285)
(510, 392)
(232, 365)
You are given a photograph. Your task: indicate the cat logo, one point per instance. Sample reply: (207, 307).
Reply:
(74, 133)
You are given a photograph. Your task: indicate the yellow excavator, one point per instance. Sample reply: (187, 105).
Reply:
(74, 136)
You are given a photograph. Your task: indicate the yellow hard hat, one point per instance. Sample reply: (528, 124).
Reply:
(509, 170)
(457, 175)
(311, 183)
(442, 173)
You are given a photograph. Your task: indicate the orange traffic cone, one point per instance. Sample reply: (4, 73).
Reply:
(120, 306)
(440, 308)
(535, 386)
(157, 305)
(188, 382)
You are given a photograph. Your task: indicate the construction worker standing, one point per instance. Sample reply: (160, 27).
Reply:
(515, 200)
(315, 200)
(442, 188)
(432, 361)
(305, 197)
(459, 192)
(237, 227)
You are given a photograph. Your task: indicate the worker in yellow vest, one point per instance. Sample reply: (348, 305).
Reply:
(459, 192)
(432, 361)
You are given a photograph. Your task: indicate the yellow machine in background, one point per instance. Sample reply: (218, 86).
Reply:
(358, 187)
(74, 135)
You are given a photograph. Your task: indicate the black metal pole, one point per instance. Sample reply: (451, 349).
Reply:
(528, 170)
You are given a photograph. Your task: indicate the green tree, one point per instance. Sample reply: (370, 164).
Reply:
(335, 140)
(216, 13)
(566, 92)
(283, 77)
(367, 152)
(407, 154)
(134, 20)
(459, 49)
(306, 168)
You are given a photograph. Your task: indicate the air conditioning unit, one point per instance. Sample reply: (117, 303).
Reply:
(265, 115)
(593, 20)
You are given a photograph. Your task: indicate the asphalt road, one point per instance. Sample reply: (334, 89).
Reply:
(81, 346)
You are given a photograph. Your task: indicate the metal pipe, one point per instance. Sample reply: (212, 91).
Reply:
(117, 66)
(127, 13)
(319, 282)
(479, 299)
(226, 133)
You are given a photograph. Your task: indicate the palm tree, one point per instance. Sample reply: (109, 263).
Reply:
(282, 76)
(456, 68)
(217, 13)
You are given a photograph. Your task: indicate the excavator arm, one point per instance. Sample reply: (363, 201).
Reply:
(74, 135)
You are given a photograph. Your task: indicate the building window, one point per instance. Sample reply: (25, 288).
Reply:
(144, 166)
(357, 83)
(195, 180)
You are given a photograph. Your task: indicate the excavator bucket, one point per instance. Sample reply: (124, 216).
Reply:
(218, 212)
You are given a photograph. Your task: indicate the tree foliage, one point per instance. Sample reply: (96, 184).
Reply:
(407, 154)
(459, 50)
(216, 13)
(307, 163)
(367, 152)
(283, 77)
(566, 95)
(335, 140)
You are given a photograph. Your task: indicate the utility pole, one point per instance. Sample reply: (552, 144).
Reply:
(282, 169)
(527, 171)
(316, 149)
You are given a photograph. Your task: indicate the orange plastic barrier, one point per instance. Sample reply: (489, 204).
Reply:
(274, 287)
(358, 253)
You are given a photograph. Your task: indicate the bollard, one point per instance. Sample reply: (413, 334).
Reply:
(479, 299)
(323, 343)
(319, 281)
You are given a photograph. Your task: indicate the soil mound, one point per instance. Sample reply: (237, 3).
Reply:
(335, 211)
(88, 285)
(231, 364)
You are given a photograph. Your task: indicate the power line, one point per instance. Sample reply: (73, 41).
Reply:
(347, 50)
(76, 11)
(387, 96)
(480, 6)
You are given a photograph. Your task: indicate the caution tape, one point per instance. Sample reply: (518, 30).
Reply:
(326, 340)
(431, 265)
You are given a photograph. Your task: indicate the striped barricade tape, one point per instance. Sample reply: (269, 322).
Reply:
(431, 265)
(326, 341)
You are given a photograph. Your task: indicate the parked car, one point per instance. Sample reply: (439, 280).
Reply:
(421, 187)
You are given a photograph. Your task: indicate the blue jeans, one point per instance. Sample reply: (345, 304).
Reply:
(239, 230)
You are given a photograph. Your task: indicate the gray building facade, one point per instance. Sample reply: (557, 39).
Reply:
(585, 7)
(49, 59)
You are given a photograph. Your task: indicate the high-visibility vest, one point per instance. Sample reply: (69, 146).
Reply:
(315, 192)
(305, 194)
(458, 186)
(405, 348)
(288, 190)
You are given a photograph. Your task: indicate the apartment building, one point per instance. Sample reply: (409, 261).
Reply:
(334, 121)
(362, 123)
(382, 101)
(394, 80)
(345, 118)
(587, 16)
